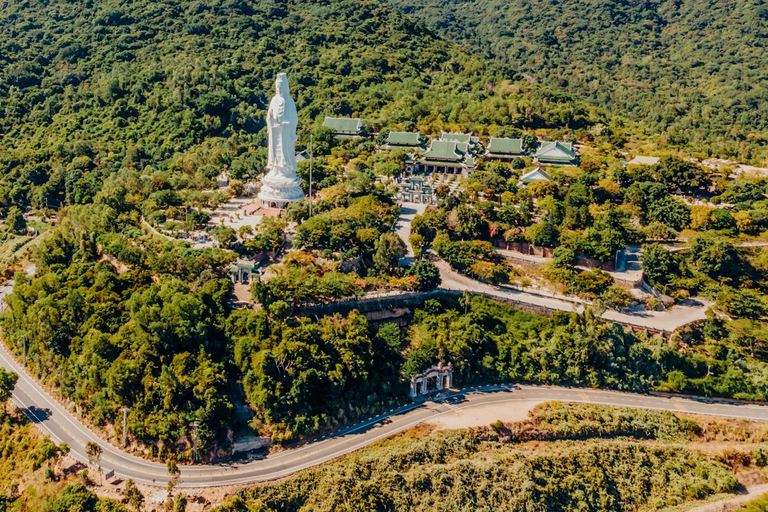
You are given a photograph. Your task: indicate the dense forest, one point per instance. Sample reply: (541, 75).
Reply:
(181, 86)
(691, 74)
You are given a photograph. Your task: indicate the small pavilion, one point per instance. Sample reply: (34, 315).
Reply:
(241, 272)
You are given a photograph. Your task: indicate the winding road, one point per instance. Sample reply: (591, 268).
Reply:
(57, 422)
(666, 321)
(54, 420)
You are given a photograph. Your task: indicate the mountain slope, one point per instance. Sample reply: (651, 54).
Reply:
(86, 89)
(693, 71)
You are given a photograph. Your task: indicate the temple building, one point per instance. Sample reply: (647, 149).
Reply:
(452, 153)
(501, 148)
(463, 138)
(344, 127)
(407, 141)
(556, 153)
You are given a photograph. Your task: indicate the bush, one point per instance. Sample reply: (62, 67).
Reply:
(463, 254)
(460, 468)
(494, 273)
(592, 282)
(427, 275)
(579, 421)
(757, 505)
(616, 297)
(760, 456)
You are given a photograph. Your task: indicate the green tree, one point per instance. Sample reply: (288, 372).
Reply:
(224, 235)
(389, 249)
(676, 173)
(134, 495)
(659, 265)
(15, 222)
(671, 212)
(428, 224)
(530, 143)
(469, 224)
(715, 256)
(77, 498)
(563, 257)
(8, 381)
(544, 234)
(94, 451)
(742, 303)
(174, 472)
(418, 243)
(427, 275)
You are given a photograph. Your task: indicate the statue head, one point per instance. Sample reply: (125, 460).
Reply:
(281, 84)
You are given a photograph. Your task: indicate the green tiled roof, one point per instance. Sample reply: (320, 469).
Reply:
(535, 175)
(444, 150)
(404, 139)
(556, 151)
(506, 146)
(343, 124)
(466, 138)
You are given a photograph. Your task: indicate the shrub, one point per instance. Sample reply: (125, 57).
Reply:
(427, 275)
(616, 297)
(592, 282)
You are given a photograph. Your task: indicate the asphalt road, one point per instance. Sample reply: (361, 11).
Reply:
(54, 420)
(61, 425)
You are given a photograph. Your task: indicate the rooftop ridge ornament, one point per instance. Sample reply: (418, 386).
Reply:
(281, 186)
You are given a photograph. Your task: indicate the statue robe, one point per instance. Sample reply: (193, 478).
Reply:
(282, 119)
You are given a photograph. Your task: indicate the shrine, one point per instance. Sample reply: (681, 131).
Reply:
(434, 379)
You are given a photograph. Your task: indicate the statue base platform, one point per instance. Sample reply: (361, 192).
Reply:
(278, 191)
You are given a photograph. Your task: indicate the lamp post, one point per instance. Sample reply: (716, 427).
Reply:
(195, 424)
(24, 347)
(311, 157)
(125, 426)
(61, 383)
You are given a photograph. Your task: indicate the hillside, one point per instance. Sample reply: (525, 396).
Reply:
(116, 117)
(563, 457)
(691, 72)
(88, 89)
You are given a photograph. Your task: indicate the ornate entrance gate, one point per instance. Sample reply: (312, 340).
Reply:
(434, 379)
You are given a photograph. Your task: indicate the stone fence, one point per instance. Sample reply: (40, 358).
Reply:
(526, 249)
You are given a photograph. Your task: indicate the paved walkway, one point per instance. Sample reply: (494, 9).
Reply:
(637, 316)
(403, 227)
(665, 321)
(731, 504)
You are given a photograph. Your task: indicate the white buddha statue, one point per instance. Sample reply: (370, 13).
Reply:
(281, 185)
